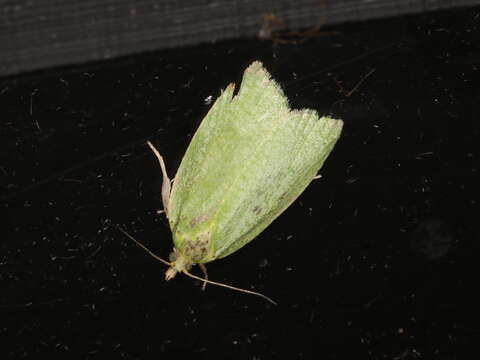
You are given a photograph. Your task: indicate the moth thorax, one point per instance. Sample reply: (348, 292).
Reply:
(179, 264)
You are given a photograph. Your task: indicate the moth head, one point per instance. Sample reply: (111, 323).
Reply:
(178, 264)
(170, 273)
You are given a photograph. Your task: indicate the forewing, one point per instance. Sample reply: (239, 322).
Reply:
(249, 159)
(218, 152)
(278, 172)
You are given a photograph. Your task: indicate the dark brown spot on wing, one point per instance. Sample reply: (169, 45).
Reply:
(198, 219)
(257, 210)
(283, 196)
(197, 249)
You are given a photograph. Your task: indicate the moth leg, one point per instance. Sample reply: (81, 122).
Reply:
(317, 177)
(166, 183)
(163, 211)
(205, 274)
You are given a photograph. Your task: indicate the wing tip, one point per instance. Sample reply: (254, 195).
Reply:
(230, 88)
(255, 72)
(333, 121)
(256, 66)
(332, 128)
(326, 119)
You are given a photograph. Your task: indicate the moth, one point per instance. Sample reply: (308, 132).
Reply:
(249, 159)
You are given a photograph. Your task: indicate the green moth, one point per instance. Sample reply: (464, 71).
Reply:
(249, 159)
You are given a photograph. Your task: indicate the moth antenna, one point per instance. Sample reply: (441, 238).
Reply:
(229, 287)
(205, 281)
(143, 247)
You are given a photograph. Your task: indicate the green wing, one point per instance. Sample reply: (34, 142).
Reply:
(249, 160)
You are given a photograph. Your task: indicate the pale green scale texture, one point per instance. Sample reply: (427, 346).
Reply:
(250, 158)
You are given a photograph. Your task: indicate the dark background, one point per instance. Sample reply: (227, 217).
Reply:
(376, 260)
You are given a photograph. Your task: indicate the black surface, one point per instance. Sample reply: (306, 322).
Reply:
(376, 260)
(38, 34)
